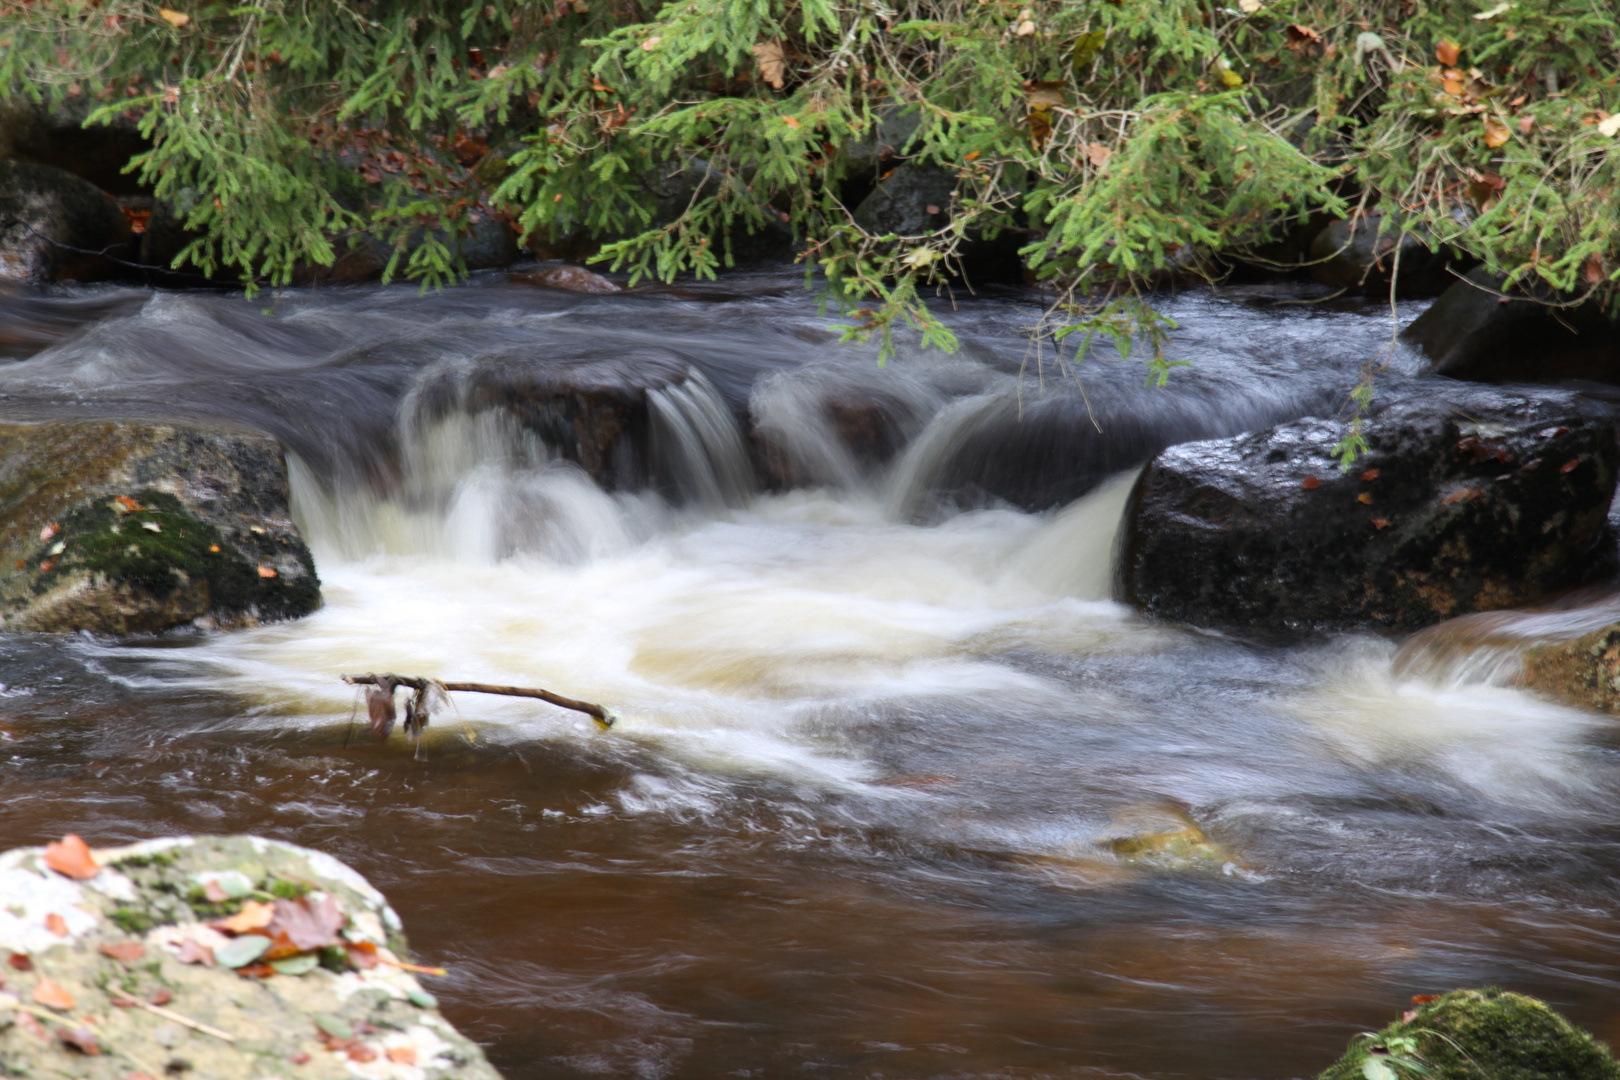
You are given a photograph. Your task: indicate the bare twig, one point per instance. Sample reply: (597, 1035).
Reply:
(170, 1014)
(597, 712)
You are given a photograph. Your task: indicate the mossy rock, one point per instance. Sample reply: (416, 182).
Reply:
(125, 526)
(1485, 1034)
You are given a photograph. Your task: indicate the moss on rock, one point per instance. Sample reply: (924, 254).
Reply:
(1487, 1034)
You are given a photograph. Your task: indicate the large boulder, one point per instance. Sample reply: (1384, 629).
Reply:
(1479, 502)
(234, 958)
(124, 527)
(55, 226)
(1475, 331)
(56, 135)
(1477, 1035)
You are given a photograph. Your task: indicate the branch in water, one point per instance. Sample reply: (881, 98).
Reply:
(387, 683)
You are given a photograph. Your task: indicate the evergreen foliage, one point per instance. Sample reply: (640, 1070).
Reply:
(1120, 139)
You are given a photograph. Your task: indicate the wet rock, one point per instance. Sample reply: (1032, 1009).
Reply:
(1472, 332)
(55, 226)
(592, 411)
(810, 432)
(883, 144)
(1164, 837)
(223, 957)
(916, 199)
(1472, 503)
(569, 279)
(1477, 1035)
(490, 244)
(1582, 671)
(56, 136)
(1360, 254)
(125, 527)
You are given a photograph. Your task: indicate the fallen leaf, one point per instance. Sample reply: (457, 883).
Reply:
(1593, 271)
(140, 1076)
(1310, 483)
(1570, 466)
(359, 1051)
(49, 531)
(125, 952)
(309, 925)
(266, 572)
(1088, 45)
(49, 993)
(1496, 132)
(173, 18)
(1460, 496)
(932, 209)
(771, 68)
(1298, 35)
(213, 893)
(195, 952)
(363, 955)
(299, 1058)
(1380, 523)
(1424, 999)
(214, 548)
(127, 505)
(242, 951)
(160, 996)
(651, 43)
(56, 924)
(791, 121)
(1024, 27)
(1365, 498)
(1249, 7)
(21, 961)
(1447, 52)
(255, 915)
(1097, 154)
(81, 1039)
(1044, 96)
(47, 566)
(1370, 475)
(1495, 11)
(402, 1055)
(27, 1022)
(1609, 127)
(71, 857)
(1527, 124)
(151, 526)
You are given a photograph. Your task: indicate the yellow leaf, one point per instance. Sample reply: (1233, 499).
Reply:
(173, 18)
(1496, 132)
(1047, 95)
(1231, 78)
(1610, 127)
(253, 916)
(771, 67)
(1086, 48)
(1249, 7)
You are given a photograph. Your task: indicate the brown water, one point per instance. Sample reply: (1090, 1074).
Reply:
(876, 732)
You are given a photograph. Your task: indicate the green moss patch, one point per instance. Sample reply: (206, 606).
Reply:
(1477, 1035)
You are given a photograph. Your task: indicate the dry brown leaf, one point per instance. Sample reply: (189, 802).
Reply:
(175, 19)
(266, 572)
(308, 924)
(49, 993)
(1593, 271)
(81, 1039)
(1496, 132)
(791, 121)
(255, 915)
(1380, 523)
(1447, 52)
(1527, 124)
(56, 924)
(125, 952)
(1310, 483)
(195, 952)
(771, 67)
(71, 857)
(1370, 475)
(1097, 154)
(21, 961)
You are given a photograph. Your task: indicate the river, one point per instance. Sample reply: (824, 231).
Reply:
(877, 729)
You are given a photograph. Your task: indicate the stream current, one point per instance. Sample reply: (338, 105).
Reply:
(877, 730)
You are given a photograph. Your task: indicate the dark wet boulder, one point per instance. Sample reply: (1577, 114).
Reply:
(126, 527)
(916, 199)
(1359, 254)
(488, 244)
(1477, 332)
(55, 226)
(1485, 1034)
(231, 958)
(1474, 502)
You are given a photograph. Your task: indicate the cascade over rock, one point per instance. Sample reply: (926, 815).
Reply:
(1482, 501)
(126, 526)
(230, 957)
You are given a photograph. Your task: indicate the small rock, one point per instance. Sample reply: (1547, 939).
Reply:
(568, 278)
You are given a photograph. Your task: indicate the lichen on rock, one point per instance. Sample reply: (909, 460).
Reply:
(1487, 1034)
(231, 957)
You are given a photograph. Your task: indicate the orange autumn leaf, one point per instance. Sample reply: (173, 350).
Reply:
(1496, 132)
(790, 121)
(56, 924)
(402, 1055)
(1310, 483)
(1370, 475)
(49, 993)
(266, 572)
(1365, 498)
(1447, 52)
(71, 857)
(126, 952)
(255, 915)
(175, 19)
(1380, 523)
(127, 504)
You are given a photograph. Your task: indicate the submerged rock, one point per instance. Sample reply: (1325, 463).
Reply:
(567, 278)
(1164, 837)
(125, 527)
(221, 957)
(1475, 332)
(1477, 1035)
(1485, 501)
(55, 226)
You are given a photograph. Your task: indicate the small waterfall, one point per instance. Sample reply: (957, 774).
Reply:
(697, 445)
(915, 481)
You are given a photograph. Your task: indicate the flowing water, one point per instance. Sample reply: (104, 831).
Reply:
(883, 736)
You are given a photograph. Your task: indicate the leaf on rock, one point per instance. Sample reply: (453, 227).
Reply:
(1365, 498)
(21, 961)
(81, 1039)
(771, 67)
(56, 924)
(402, 1055)
(309, 924)
(125, 952)
(71, 857)
(49, 993)
(363, 955)
(1310, 483)
(255, 915)
(193, 951)
(239, 952)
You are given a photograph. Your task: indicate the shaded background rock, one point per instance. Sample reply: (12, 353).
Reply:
(56, 136)
(127, 994)
(1476, 332)
(916, 199)
(1353, 254)
(1485, 501)
(55, 226)
(202, 534)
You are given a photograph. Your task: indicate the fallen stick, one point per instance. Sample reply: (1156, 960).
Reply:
(170, 1014)
(589, 708)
